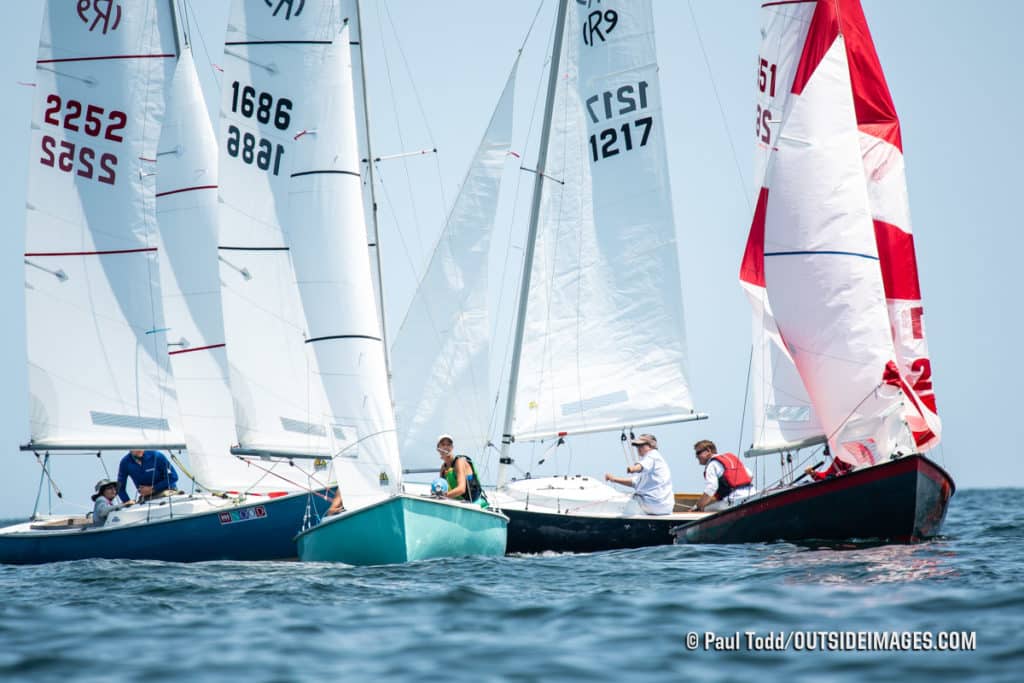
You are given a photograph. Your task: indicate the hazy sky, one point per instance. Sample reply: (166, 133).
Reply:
(954, 69)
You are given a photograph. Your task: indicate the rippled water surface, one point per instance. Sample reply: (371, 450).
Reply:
(621, 615)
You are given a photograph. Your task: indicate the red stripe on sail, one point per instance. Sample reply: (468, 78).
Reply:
(820, 35)
(90, 253)
(752, 268)
(876, 114)
(186, 189)
(198, 348)
(898, 262)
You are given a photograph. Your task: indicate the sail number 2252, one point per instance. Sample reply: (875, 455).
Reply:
(623, 137)
(82, 159)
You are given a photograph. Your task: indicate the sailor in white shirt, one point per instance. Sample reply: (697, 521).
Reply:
(651, 479)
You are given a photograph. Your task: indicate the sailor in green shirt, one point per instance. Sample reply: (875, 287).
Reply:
(460, 473)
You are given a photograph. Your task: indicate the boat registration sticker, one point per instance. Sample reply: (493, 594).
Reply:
(243, 515)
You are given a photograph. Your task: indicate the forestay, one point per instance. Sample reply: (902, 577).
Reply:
(187, 212)
(440, 356)
(98, 366)
(604, 342)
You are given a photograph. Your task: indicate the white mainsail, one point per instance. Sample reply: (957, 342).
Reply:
(279, 404)
(604, 341)
(798, 38)
(189, 272)
(99, 373)
(327, 236)
(440, 356)
(303, 340)
(782, 415)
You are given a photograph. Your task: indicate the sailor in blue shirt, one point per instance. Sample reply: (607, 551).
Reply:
(151, 472)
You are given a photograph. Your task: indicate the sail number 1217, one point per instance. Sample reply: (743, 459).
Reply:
(612, 104)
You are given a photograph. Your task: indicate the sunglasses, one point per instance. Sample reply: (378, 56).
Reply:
(701, 452)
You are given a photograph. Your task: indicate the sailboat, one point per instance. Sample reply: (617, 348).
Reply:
(840, 353)
(599, 343)
(304, 343)
(97, 272)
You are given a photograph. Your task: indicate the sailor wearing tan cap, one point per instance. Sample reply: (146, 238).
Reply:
(651, 480)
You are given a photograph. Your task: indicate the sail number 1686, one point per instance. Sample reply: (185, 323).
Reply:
(261, 106)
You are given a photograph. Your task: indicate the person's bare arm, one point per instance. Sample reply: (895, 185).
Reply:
(337, 505)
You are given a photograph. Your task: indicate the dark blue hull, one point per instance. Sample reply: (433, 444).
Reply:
(262, 530)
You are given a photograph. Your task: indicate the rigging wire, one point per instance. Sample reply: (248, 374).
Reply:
(400, 134)
(397, 222)
(419, 104)
(307, 488)
(99, 456)
(721, 109)
(202, 41)
(746, 396)
(828, 438)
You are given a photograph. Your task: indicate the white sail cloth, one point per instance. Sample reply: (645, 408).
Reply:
(303, 340)
(782, 414)
(440, 357)
(604, 341)
(189, 272)
(279, 404)
(327, 237)
(98, 367)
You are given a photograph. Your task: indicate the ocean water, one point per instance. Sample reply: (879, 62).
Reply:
(617, 616)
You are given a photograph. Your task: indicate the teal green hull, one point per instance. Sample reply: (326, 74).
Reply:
(405, 529)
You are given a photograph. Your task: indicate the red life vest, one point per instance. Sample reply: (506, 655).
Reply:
(736, 475)
(837, 469)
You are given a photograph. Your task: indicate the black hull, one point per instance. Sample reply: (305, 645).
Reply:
(901, 501)
(534, 532)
